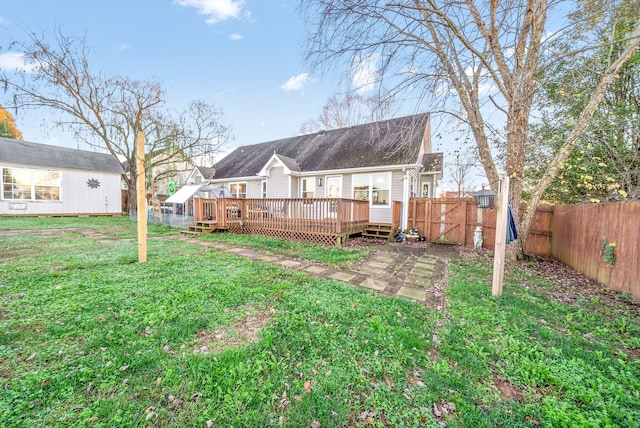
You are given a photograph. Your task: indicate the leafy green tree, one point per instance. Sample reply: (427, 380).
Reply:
(606, 162)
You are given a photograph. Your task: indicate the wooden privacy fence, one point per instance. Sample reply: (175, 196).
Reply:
(327, 221)
(577, 235)
(454, 220)
(581, 234)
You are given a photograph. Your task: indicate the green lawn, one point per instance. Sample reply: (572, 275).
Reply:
(197, 337)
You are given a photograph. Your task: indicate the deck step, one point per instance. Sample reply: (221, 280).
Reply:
(190, 232)
(378, 231)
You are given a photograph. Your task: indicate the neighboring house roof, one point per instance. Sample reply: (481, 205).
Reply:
(390, 142)
(206, 172)
(26, 153)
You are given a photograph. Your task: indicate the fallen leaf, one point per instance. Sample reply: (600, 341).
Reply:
(195, 396)
(31, 357)
(315, 424)
(437, 410)
(532, 420)
(435, 339)
(307, 386)
(158, 381)
(209, 423)
(123, 368)
(171, 397)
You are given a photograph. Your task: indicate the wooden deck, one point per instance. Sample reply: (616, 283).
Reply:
(326, 221)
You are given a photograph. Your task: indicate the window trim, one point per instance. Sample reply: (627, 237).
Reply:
(370, 189)
(32, 184)
(236, 195)
(307, 180)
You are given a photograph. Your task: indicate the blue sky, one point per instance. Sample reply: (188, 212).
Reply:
(247, 57)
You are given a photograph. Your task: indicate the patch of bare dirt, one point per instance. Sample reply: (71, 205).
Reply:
(507, 390)
(241, 332)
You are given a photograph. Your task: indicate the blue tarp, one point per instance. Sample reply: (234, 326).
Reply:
(512, 231)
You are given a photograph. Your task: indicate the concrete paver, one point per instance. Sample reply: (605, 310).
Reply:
(374, 284)
(342, 276)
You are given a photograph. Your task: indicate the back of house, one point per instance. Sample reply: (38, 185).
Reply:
(379, 162)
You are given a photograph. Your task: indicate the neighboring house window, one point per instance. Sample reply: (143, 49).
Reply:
(375, 188)
(263, 186)
(26, 184)
(238, 190)
(308, 187)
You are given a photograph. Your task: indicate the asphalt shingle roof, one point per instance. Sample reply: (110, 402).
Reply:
(390, 142)
(27, 153)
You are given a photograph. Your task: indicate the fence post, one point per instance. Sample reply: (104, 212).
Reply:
(501, 236)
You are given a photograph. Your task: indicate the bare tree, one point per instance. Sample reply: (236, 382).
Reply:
(464, 162)
(348, 110)
(486, 53)
(106, 112)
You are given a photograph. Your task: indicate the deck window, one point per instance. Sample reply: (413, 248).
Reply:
(375, 188)
(238, 190)
(28, 184)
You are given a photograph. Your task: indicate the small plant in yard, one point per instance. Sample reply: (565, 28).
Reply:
(193, 337)
(608, 252)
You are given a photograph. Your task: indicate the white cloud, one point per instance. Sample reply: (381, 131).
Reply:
(235, 36)
(215, 10)
(15, 61)
(365, 71)
(295, 83)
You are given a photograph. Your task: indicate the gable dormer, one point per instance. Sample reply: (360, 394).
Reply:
(290, 166)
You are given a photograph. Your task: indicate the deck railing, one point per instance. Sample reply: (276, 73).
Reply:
(330, 216)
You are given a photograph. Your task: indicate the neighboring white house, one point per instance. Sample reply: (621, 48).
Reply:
(378, 162)
(39, 179)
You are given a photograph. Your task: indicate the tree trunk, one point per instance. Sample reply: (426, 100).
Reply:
(632, 44)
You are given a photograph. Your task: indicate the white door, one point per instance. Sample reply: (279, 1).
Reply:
(334, 187)
(334, 190)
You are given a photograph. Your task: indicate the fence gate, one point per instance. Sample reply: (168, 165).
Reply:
(440, 220)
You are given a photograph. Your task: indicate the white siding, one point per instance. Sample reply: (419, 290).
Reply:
(254, 189)
(76, 197)
(277, 183)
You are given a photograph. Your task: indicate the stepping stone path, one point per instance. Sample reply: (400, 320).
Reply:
(415, 273)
